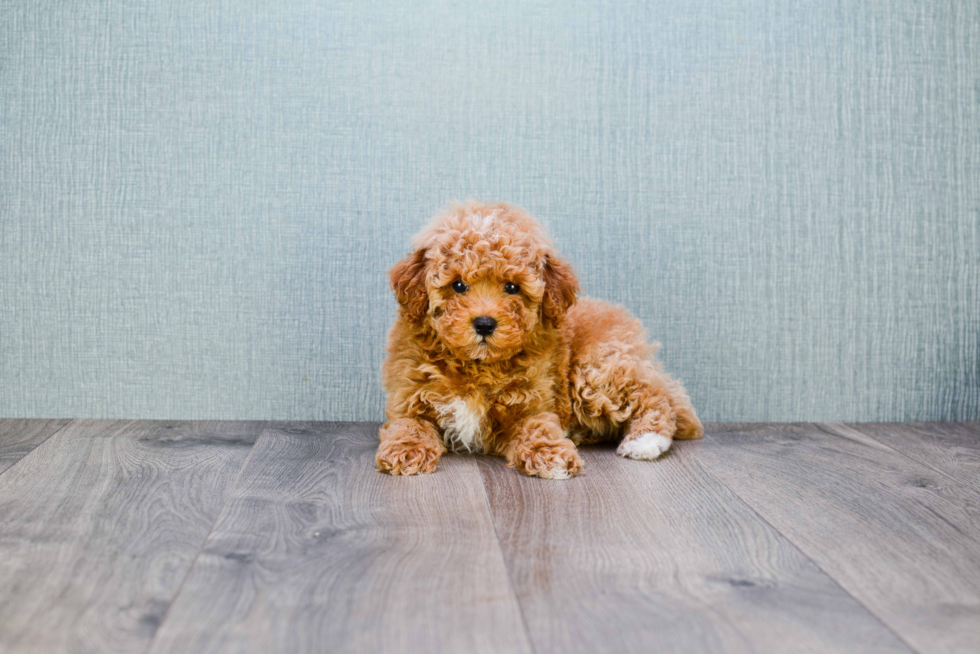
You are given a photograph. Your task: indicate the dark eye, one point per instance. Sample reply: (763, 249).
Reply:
(511, 288)
(459, 286)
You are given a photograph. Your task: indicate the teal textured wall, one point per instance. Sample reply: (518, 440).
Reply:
(199, 199)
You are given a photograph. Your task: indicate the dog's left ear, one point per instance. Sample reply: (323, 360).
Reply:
(560, 289)
(408, 282)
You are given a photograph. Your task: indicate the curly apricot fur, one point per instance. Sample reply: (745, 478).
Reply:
(540, 449)
(555, 371)
(408, 447)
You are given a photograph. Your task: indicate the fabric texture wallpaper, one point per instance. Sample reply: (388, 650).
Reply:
(199, 200)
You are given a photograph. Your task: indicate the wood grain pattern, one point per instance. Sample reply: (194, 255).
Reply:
(316, 551)
(901, 538)
(100, 524)
(952, 448)
(170, 537)
(18, 437)
(659, 556)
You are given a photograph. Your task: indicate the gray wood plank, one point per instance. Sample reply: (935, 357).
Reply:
(901, 538)
(952, 448)
(316, 551)
(661, 557)
(100, 524)
(18, 437)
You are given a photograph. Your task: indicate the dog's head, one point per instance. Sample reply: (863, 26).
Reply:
(484, 279)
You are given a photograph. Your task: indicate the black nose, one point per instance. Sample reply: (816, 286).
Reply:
(484, 325)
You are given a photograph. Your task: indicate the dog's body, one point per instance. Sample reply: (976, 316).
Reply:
(492, 353)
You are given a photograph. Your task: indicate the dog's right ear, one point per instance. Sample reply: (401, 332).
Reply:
(561, 286)
(408, 282)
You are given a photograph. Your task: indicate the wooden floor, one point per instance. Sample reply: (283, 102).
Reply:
(281, 537)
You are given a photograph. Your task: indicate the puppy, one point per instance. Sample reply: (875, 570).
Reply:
(492, 353)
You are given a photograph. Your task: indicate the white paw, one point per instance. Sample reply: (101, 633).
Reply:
(644, 447)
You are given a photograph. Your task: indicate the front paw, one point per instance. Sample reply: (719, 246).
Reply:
(398, 457)
(548, 460)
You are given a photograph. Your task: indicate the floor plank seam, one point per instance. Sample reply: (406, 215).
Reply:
(803, 553)
(231, 491)
(57, 431)
(500, 550)
(901, 453)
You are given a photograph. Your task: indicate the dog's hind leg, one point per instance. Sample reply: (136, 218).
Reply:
(688, 424)
(651, 429)
(621, 395)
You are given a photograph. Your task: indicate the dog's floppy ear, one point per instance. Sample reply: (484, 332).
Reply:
(561, 285)
(408, 282)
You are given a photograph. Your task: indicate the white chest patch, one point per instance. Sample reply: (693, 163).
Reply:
(462, 426)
